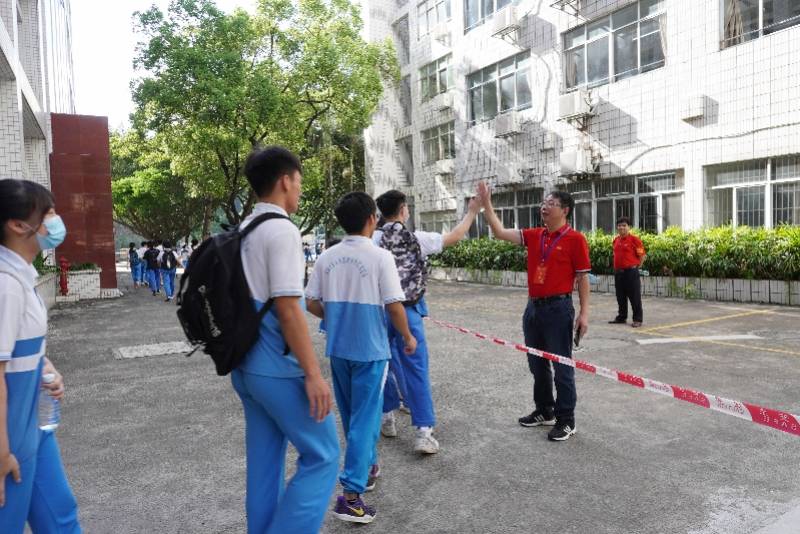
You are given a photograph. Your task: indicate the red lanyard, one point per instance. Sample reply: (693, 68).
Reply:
(546, 253)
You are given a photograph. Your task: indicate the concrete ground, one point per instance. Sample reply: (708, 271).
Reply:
(155, 444)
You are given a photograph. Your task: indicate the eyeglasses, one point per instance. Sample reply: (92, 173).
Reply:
(550, 204)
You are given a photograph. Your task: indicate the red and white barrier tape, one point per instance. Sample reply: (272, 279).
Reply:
(776, 419)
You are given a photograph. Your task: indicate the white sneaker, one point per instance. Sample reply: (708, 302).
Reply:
(425, 442)
(388, 427)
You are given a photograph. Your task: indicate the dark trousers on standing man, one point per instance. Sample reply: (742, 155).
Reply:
(548, 325)
(629, 288)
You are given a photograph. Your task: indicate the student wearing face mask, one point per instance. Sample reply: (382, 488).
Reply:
(33, 485)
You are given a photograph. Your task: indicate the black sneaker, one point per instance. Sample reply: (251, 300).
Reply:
(618, 320)
(561, 432)
(538, 418)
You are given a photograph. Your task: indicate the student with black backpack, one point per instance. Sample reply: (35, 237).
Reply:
(153, 268)
(168, 264)
(410, 250)
(284, 395)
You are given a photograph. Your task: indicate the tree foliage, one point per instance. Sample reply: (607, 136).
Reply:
(295, 73)
(148, 198)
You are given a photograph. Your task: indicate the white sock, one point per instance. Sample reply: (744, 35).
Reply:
(388, 416)
(425, 430)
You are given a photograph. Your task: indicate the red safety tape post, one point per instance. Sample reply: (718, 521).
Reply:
(776, 419)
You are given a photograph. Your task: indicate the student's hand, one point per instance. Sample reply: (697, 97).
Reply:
(55, 388)
(474, 205)
(582, 324)
(484, 194)
(319, 397)
(410, 345)
(8, 464)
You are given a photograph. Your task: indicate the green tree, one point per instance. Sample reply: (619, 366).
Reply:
(295, 73)
(148, 198)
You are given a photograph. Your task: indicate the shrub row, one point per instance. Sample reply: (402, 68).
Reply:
(724, 252)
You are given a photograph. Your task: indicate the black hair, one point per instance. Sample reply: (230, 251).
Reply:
(564, 198)
(353, 211)
(21, 199)
(265, 165)
(390, 203)
(194, 242)
(144, 243)
(624, 220)
(166, 244)
(132, 245)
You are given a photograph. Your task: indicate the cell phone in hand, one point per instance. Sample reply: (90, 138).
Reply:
(577, 336)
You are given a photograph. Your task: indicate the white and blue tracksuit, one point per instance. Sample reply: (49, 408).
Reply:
(410, 373)
(271, 386)
(355, 281)
(43, 498)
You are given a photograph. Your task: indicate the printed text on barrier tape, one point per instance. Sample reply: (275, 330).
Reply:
(776, 419)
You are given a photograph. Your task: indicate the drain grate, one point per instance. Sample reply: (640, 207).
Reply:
(156, 349)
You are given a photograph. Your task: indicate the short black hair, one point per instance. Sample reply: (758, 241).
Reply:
(564, 198)
(390, 202)
(624, 220)
(353, 211)
(21, 199)
(166, 244)
(265, 165)
(194, 242)
(144, 243)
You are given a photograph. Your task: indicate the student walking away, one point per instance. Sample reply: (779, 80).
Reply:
(557, 256)
(134, 262)
(33, 484)
(168, 264)
(284, 395)
(142, 264)
(353, 286)
(153, 268)
(184, 254)
(629, 255)
(410, 251)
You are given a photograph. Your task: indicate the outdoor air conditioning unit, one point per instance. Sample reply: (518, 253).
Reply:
(442, 101)
(505, 22)
(548, 141)
(441, 33)
(574, 105)
(444, 166)
(693, 107)
(508, 175)
(576, 163)
(507, 124)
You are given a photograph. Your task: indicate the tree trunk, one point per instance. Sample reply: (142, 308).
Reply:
(207, 213)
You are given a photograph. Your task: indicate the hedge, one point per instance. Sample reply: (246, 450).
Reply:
(724, 252)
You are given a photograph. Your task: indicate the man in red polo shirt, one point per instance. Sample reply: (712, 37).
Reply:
(557, 256)
(629, 255)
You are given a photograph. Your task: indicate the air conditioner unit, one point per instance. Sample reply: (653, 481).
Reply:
(693, 107)
(576, 162)
(442, 101)
(507, 124)
(574, 105)
(548, 141)
(505, 22)
(444, 166)
(508, 174)
(441, 33)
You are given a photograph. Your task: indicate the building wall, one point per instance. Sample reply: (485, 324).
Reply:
(639, 125)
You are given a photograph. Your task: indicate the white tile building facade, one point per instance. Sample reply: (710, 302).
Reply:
(672, 112)
(35, 79)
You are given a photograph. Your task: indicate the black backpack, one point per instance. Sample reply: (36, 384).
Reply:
(168, 260)
(214, 306)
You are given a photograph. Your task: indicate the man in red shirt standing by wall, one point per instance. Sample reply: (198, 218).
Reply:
(557, 256)
(629, 255)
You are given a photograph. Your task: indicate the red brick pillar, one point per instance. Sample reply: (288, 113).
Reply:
(80, 177)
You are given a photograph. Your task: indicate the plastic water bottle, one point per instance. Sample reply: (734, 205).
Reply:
(49, 407)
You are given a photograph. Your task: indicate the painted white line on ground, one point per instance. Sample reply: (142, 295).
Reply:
(659, 341)
(786, 524)
(157, 349)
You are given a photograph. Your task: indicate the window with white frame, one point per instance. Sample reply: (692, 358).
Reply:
(430, 13)
(745, 20)
(435, 77)
(477, 11)
(499, 88)
(764, 192)
(439, 143)
(625, 43)
(437, 221)
(653, 202)
(515, 209)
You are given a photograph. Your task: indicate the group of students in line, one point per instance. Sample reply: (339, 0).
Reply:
(154, 264)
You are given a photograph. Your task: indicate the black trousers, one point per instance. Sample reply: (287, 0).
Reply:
(629, 288)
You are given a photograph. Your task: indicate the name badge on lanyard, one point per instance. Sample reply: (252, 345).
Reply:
(540, 273)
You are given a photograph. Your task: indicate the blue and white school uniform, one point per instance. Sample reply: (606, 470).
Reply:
(142, 265)
(271, 386)
(355, 281)
(43, 498)
(412, 370)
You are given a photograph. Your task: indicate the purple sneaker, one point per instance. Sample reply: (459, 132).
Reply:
(353, 512)
(372, 479)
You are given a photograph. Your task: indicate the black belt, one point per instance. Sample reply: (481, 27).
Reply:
(624, 270)
(538, 301)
